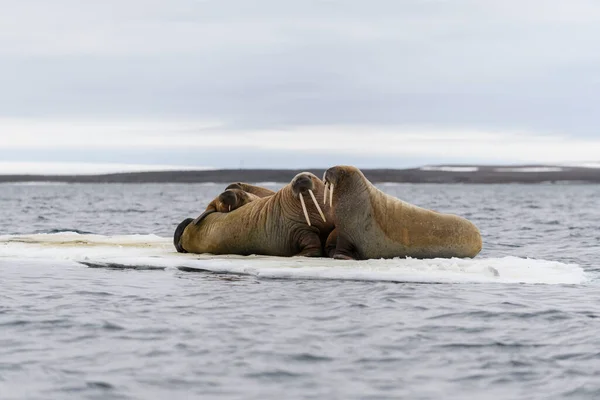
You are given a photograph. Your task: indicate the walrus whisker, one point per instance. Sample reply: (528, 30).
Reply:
(325, 194)
(304, 209)
(331, 196)
(317, 204)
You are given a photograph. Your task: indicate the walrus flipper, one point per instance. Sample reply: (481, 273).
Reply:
(202, 216)
(178, 232)
(345, 250)
(310, 245)
(331, 243)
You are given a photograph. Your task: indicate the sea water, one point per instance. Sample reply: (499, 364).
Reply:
(96, 303)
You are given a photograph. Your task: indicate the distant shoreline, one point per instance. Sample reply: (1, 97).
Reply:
(476, 174)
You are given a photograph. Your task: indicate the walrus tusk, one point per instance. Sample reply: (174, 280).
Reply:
(229, 208)
(317, 205)
(325, 194)
(331, 196)
(304, 209)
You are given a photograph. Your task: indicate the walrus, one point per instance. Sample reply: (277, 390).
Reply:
(287, 223)
(252, 189)
(371, 224)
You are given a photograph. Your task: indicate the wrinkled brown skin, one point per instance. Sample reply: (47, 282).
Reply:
(273, 225)
(371, 224)
(253, 189)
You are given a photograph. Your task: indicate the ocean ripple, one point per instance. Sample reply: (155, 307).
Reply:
(107, 310)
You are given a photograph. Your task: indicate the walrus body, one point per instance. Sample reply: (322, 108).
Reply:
(272, 225)
(371, 224)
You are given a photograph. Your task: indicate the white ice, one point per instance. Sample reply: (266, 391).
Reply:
(449, 169)
(158, 252)
(529, 169)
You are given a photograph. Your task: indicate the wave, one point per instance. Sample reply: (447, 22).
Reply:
(155, 252)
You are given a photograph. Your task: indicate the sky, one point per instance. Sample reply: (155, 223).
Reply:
(294, 84)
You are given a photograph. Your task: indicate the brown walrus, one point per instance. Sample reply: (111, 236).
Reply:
(372, 224)
(288, 223)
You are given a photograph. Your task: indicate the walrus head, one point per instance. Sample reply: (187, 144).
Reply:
(232, 199)
(304, 184)
(350, 178)
(236, 185)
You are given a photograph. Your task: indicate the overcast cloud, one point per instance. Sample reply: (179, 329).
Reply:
(300, 83)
